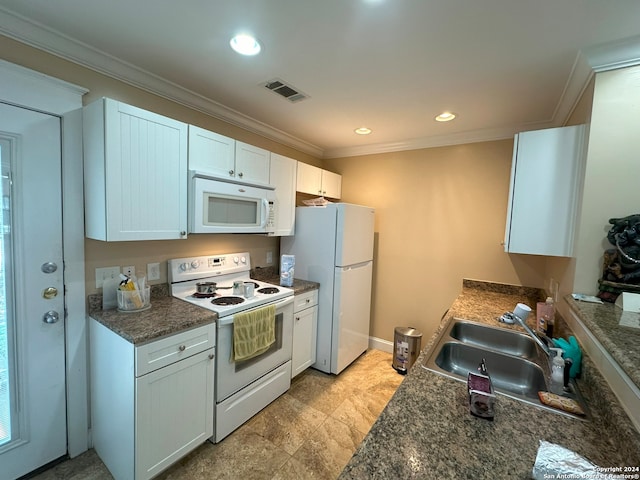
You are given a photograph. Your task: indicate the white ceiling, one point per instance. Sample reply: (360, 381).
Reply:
(391, 65)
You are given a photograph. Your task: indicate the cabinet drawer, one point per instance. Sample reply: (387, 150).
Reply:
(170, 349)
(305, 300)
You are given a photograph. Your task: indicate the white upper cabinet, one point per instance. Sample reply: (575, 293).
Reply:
(331, 184)
(135, 173)
(226, 158)
(283, 178)
(252, 164)
(316, 181)
(546, 179)
(211, 153)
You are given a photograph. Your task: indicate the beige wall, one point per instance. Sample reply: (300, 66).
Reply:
(562, 269)
(102, 254)
(612, 171)
(440, 217)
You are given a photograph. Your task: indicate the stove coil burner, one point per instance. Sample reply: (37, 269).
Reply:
(224, 301)
(269, 290)
(204, 295)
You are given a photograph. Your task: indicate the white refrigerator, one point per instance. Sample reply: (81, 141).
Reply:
(333, 245)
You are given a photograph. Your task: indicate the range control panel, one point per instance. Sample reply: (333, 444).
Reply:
(190, 268)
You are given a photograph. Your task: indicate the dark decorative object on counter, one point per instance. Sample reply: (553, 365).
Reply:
(621, 269)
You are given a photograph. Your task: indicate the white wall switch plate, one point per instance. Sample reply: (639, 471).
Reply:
(129, 270)
(269, 258)
(153, 271)
(104, 273)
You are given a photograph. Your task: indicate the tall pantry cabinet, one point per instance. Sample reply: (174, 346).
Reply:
(135, 175)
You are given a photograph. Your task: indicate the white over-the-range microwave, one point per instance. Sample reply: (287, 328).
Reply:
(219, 206)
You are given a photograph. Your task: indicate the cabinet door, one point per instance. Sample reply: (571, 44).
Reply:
(283, 178)
(309, 179)
(138, 163)
(546, 176)
(174, 412)
(304, 340)
(211, 153)
(331, 184)
(252, 164)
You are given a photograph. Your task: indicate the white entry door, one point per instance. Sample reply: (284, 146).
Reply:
(32, 324)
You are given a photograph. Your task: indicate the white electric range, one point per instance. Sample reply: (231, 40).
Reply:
(244, 388)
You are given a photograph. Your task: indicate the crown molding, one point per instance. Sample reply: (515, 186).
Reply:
(613, 55)
(45, 39)
(485, 135)
(579, 78)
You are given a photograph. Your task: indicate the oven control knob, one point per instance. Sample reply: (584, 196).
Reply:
(235, 260)
(184, 267)
(243, 260)
(195, 264)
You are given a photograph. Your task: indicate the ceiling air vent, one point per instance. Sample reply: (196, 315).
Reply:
(285, 90)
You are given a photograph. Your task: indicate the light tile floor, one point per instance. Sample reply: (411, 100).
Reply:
(309, 432)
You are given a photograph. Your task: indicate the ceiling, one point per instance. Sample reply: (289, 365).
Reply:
(391, 65)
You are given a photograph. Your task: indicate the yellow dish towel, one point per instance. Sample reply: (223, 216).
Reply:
(253, 332)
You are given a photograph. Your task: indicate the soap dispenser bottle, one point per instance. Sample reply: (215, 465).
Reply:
(557, 372)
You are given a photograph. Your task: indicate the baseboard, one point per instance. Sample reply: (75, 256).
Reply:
(380, 344)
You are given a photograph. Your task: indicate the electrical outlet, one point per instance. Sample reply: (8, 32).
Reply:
(105, 273)
(269, 258)
(153, 271)
(129, 270)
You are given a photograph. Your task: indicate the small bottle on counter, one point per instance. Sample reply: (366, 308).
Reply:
(557, 372)
(545, 313)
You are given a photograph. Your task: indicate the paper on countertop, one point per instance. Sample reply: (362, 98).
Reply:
(586, 298)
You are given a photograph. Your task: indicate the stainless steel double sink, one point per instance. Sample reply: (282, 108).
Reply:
(518, 368)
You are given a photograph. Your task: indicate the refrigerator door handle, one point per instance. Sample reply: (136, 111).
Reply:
(356, 265)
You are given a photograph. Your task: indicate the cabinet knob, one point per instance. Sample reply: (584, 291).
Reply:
(230, 172)
(308, 300)
(297, 319)
(182, 233)
(182, 348)
(211, 355)
(240, 174)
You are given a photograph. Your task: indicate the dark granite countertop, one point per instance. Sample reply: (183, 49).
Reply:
(271, 275)
(169, 315)
(426, 430)
(622, 342)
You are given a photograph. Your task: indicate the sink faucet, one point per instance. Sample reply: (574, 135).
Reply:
(533, 335)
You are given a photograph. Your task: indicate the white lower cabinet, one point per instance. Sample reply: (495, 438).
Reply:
(151, 404)
(305, 326)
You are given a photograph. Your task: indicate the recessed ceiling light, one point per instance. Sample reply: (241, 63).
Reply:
(445, 117)
(363, 131)
(245, 44)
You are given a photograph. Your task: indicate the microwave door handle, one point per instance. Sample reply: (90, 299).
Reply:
(265, 216)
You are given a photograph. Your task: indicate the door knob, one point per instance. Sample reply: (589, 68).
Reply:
(51, 317)
(50, 292)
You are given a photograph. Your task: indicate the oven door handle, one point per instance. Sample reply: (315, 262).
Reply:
(280, 303)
